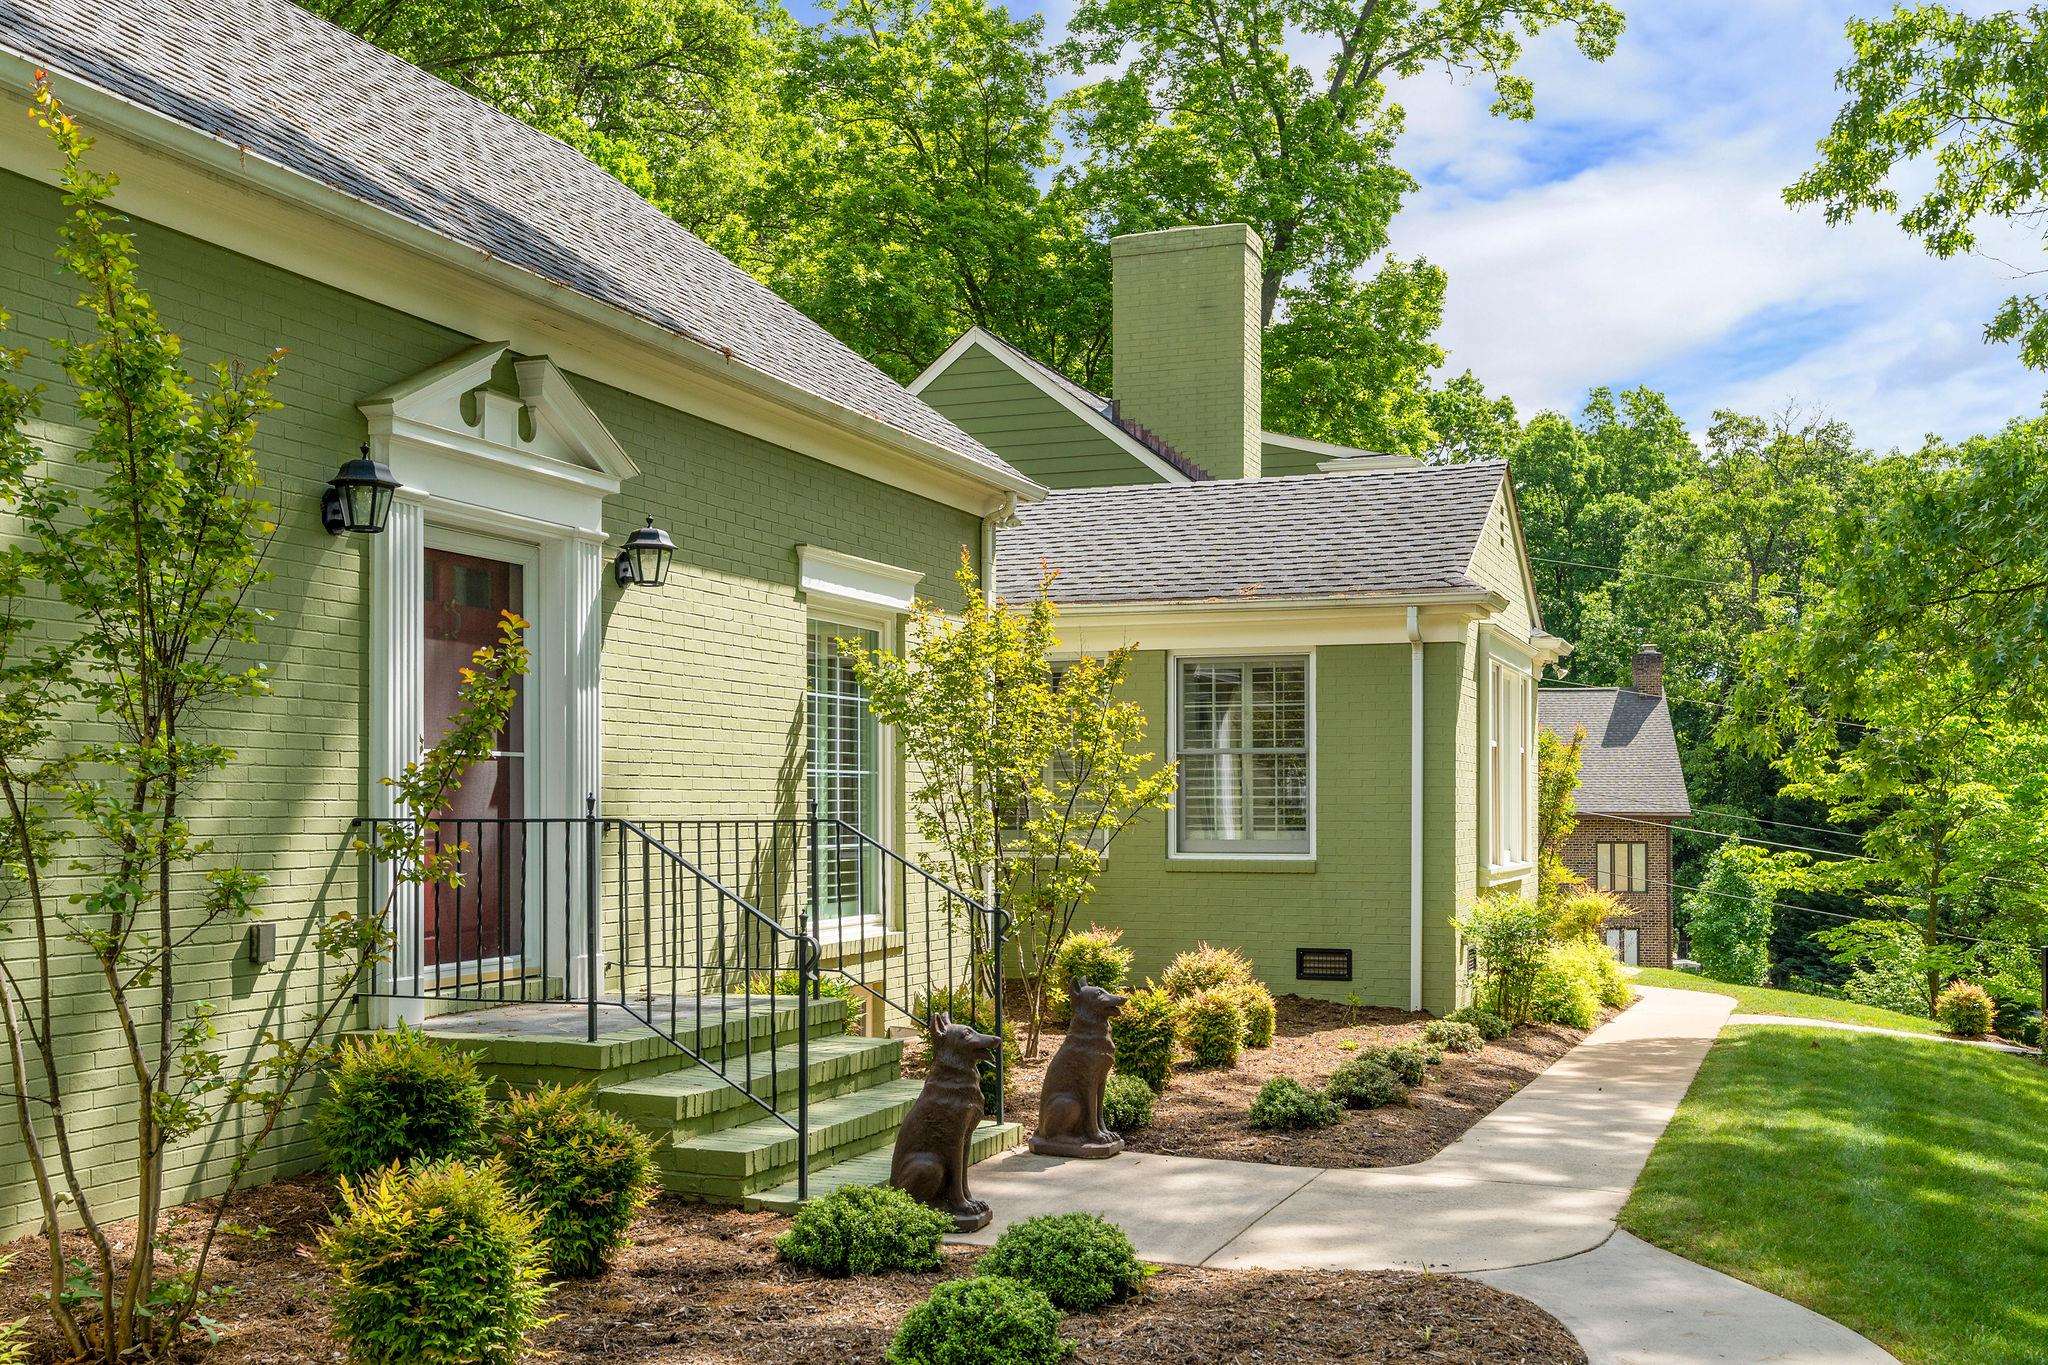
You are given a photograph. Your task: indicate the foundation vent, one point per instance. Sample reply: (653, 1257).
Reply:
(1322, 964)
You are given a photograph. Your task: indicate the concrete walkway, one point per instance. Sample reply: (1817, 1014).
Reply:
(1526, 1200)
(1793, 1021)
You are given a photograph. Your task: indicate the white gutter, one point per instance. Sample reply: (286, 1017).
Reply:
(208, 152)
(1414, 808)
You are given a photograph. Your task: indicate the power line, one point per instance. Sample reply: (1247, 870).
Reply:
(1836, 914)
(1834, 854)
(1617, 570)
(1703, 701)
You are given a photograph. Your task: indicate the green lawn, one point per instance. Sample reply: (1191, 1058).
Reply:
(1764, 1000)
(1894, 1185)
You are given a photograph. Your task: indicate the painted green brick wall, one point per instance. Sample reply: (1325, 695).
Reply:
(1037, 435)
(1355, 893)
(703, 681)
(1185, 318)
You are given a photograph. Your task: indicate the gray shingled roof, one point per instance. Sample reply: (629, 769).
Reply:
(1374, 534)
(1630, 762)
(295, 90)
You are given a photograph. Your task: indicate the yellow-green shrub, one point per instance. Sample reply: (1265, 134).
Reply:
(399, 1096)
(1143, 1034)
(588, 1173)
(1261, 1014)
(1597, 964)
(1965, 1010)
(1578, 917)
(1095, 957)
(435, 1264)
(1212, 1028)
(1203, 968)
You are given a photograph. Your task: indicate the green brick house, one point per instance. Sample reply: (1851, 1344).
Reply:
(1339, 648)
(692, 792)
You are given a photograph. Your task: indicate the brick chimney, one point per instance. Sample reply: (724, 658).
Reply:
(1649, 670)
(1185, 326)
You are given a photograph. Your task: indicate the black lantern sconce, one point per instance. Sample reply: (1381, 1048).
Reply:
(645, 558)
(358, 497)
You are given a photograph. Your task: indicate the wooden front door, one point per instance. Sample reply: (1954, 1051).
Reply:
(483, 919)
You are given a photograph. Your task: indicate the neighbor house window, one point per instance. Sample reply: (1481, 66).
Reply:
(1242, 739)
(1621, 867)
(845, 769)
(1508, 763)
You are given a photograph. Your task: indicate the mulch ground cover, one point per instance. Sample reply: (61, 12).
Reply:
(1203, 1113)
(703, 1285)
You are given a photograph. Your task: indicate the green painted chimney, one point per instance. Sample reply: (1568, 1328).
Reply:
(1186, 332)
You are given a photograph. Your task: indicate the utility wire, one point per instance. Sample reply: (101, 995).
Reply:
(1835, 914)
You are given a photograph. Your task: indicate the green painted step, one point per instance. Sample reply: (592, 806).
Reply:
(731, 1163)
(529, 1044)
(699, 1100)
(872, 1168)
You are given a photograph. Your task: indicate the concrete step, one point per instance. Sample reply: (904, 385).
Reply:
(872, 1168)
(731, 1163)
(699, 1100)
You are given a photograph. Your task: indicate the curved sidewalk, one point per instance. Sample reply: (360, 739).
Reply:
(1526, 1200)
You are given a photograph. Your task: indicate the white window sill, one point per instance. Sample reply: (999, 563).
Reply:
(1497, 873)
(842, 939)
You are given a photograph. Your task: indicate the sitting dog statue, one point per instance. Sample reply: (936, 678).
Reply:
(1070, 1105)
(931, 1155)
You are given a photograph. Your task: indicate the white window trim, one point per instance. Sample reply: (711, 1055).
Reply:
(1172, 821)
(861, 591)
(887, 626)
(1496, 871)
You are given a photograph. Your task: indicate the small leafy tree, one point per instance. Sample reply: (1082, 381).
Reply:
(1509, 934)
(1729, 917)
(151, 545)
(1022, 778)
(1557, 813)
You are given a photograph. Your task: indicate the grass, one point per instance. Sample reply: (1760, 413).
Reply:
(1889, 1183)
(1764, 1000)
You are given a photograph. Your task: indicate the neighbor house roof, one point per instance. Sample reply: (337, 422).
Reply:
(286, 87)
(1387, 533)
(1629, 765)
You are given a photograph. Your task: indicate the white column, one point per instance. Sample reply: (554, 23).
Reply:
(582, 635)
(1415, 769)
(397, 593)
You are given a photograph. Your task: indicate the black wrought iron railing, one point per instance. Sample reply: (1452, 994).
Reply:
(703, 931)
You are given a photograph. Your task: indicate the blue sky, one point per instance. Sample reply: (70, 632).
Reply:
(1634, 233)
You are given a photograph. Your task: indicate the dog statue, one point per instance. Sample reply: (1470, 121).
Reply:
(931, 1157)
(1070, 1104)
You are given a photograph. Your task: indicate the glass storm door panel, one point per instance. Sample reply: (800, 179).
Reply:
(845, 770)
(483, 919)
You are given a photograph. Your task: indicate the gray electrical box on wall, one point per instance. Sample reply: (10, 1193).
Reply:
(262, 942)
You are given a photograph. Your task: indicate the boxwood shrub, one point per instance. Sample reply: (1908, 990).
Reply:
(1095, 957)
(1077, 1260)
(1126, 1103)
(864, 1230)
(399, 1096)
(1261, 1014)
(1366, 1082)
(438, 1263)
(1409, 1063)
(1212, 1028)
(1143, 1032)
(1284, 1104)
(588, 1173)
(987, 1320)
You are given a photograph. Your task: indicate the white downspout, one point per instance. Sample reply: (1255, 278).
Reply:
(1414, 808)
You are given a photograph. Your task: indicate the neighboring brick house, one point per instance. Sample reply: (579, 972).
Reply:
(1631, 787)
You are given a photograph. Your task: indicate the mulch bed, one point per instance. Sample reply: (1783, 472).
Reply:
(1203, 1113)
(702, 1285)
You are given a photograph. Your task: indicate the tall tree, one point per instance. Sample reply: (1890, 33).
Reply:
(1583, 486)
(1931, 88)
(918, 203)
(1213, 117)
(1350, 360)
(677, 98)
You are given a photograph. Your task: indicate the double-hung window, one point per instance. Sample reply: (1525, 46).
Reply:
(845, 771)
(1621, 866)
(1508, 774)
(1242, 737)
